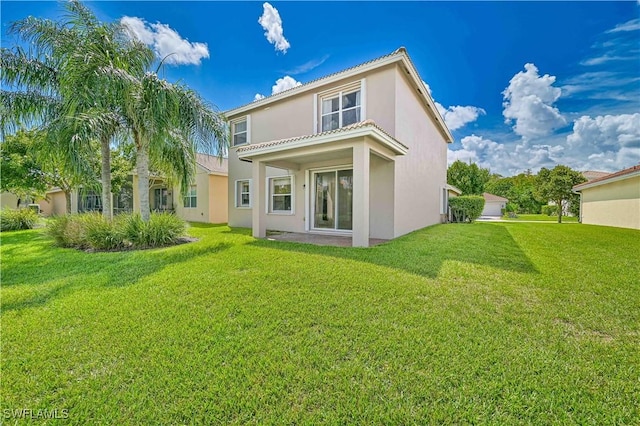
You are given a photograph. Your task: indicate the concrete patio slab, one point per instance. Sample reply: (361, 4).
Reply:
(318, 239)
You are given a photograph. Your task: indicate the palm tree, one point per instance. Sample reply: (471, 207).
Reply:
(168, 124)
(58, 88)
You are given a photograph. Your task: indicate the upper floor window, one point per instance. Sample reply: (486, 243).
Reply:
(340, 110)
(240, 132)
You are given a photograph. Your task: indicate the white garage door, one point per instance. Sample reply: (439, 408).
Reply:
(492, 209)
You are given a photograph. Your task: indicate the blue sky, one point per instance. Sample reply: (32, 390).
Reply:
(522, 85)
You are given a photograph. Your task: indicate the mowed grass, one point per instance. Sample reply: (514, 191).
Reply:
(542, 218)
(499, 323)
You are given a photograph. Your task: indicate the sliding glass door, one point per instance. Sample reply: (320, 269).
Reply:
(332, 200)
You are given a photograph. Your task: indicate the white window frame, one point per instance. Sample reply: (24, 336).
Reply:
(247, 132)
(270, 195)
(193, 188)
(339, 92)
(238, 193)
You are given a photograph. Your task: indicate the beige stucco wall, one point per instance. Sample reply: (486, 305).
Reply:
(8, 200)
(56, 205)
(613, 204)
(422, 173)
(200, 213)
(211, 194)
(218, 196)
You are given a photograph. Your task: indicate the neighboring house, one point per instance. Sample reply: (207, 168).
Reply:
(206, 200)
(494, 205)
(592, 174)
(612, 200)
(54, 203)
(361, 153)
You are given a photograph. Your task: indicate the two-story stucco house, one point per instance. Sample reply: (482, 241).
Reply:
(362, 152)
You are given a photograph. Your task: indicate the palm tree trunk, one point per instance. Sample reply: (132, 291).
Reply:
(67, 197)
(142, 167)
(106, 178)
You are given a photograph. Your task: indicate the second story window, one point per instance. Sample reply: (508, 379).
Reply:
(340, 110)
(239, 130)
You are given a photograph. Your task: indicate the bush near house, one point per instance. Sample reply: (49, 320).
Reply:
(466, 208)
(93, 231)
(13, 220)
(550, 210)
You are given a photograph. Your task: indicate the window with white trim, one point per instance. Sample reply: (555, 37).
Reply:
(190, 200)
(281, 194)
(339, 110)
(239, 130)
(243, 193)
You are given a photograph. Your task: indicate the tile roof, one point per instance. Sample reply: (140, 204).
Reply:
(592, 174)
(358, 125)
(604, 179)
(492, 197)
(284, 92)
(212, 164)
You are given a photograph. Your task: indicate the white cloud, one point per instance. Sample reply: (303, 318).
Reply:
(166, 42)
(284, 83)
(632, 25)
(457, 116)
(272, 25)
(605, 133)
(506, 159)
(308, 66)
(528, 100)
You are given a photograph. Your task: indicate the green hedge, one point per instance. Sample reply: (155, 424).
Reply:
(93, 231)
(13, 220)
(550, 210)
(466, 208)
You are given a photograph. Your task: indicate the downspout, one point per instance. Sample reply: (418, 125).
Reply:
(580, 213)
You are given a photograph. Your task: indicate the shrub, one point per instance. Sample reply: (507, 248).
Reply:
(92, 230)
(550, 210)
(13, 220)
(466, 208)
(102, 234)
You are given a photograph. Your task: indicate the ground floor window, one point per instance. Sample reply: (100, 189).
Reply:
(89, 201)
(190, 200)
(243, 193)
(280, 194)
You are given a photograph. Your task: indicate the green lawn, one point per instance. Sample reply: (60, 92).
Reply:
(542, 218)
(500, 323)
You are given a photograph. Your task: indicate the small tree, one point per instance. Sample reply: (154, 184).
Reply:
(556, 185)
(469, 178)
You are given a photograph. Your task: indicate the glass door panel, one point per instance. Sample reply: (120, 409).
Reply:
(325, 198)
(345, 199)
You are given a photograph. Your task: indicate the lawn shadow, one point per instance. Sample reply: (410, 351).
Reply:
(76, 269)
(424, 251)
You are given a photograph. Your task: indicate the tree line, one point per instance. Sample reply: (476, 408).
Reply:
(527, 193)
(85, 89)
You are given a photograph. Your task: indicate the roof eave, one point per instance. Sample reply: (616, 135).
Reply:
(387, 141)
(605, 181)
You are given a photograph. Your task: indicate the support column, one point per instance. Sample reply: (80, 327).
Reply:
(361, 165)
(258, 199)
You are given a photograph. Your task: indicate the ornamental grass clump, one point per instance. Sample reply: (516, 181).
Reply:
(14, 220)
(127, 231)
